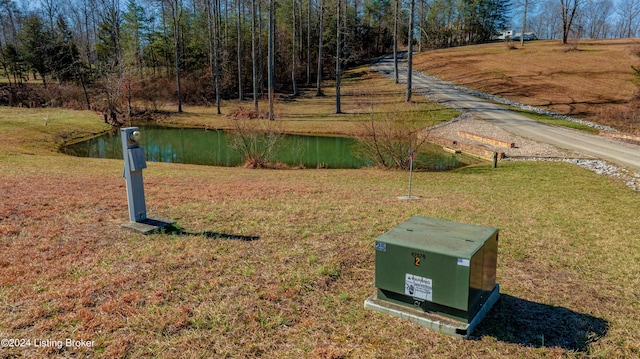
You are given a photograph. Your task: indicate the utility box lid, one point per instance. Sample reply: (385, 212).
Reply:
(438, 236)
(438, 266)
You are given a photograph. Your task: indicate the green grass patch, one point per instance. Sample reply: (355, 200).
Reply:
(44, 130)
(554, 120)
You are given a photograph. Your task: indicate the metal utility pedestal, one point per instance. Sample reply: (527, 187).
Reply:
(134, 163)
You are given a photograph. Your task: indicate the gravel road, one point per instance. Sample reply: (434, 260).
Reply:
(533, 140)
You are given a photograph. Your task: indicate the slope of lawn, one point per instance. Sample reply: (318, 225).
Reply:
(277, 263)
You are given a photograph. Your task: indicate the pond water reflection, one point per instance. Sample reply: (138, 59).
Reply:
(202, 147)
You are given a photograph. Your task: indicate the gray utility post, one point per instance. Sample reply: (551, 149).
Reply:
(134, 163)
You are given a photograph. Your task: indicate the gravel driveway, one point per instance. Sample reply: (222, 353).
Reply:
(448, 134)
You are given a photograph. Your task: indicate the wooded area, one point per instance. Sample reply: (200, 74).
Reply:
(118, 56)
(203, 51)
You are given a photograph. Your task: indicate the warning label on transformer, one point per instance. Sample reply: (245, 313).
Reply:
(418, 287)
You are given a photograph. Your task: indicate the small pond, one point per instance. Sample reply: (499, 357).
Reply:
(202, 147)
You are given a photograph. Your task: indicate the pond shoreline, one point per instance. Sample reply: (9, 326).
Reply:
(193, 145)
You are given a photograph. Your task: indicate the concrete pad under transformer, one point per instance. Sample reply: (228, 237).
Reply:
(433, 321)
(149, 225)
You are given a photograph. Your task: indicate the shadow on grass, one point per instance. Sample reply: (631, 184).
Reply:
(208, 234)
(532, 324)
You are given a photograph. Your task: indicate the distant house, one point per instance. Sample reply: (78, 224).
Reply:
(510, 35)
(528, 36)
(504, 35)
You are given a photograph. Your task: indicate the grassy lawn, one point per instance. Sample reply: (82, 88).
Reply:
(590, 79)
(44, 130)
(555, 120)
(277, 263)
(363, 94)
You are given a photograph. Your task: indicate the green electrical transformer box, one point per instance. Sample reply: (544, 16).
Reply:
(437, 266)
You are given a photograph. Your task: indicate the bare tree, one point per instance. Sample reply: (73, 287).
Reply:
(294, 55)
(386, 139)
(524, 22)
(396, 5)
(422, 16)
(9, 40)
(9, 22)
(410, 50)
(320, 45)
(596, 14)
(239, 28)
(257, 141)
(338, 49)
(308, 42)
(546, 23)
(629, 12)
(254, 58)
(50, 9)
(260, 49)
(270, 57)
(176, 9)
(568, 8)
(213, 49)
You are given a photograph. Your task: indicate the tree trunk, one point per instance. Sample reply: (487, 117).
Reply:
(239, 26)
(421, 25)
(129, 108)
(308, 42)
(321, 30)
(210, 35)
(176, 13)
(254, 59)
(165, 40)
(338, 69)
(524, 22)
(300, 35)
(568, 8)
(395, 40)
(410, 51)
(216, 51)
(260, 51)
(270, 57)
(293, 50)
(78, 73)
(226, 28)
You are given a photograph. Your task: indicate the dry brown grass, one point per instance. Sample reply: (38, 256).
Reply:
(363, 92)
(596, 82)
(277, 263)
(567, 267)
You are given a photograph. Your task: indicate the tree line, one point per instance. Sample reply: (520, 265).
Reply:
(593, 19)
(204, 51)
(209, 50)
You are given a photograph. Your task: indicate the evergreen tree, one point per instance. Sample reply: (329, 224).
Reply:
(36, 47)
(135, 29)
(64, 53)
